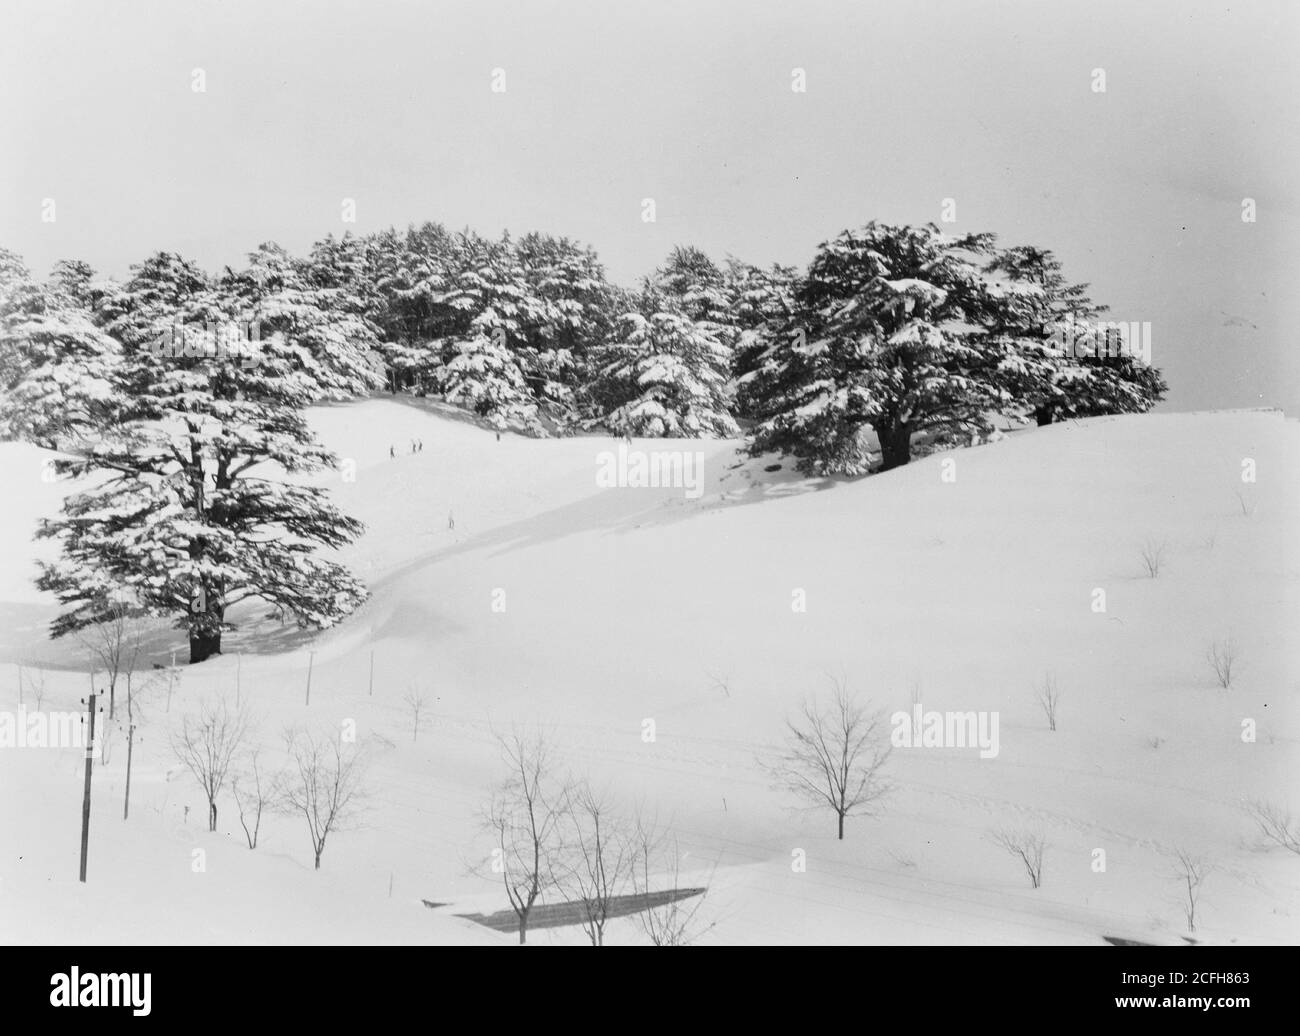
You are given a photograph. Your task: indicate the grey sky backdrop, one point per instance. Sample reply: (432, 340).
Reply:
(1139, 190)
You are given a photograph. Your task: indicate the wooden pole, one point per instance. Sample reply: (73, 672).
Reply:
(171, 673)
(130, 743)
(310, 659)
(85, 798)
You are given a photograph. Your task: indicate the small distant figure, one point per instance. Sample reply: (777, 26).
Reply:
(419, 445)
(392, 451)
(451, 522)
(498, 436)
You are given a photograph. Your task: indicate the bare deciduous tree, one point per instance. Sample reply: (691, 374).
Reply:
(324, 785)
(833, 755)
(1028, 846)
(1153, 556)
(255, 793)
(1223, 658)
(720, 681)
(525, 816)
(207, 744)
(416, 704)
(674, 921)
(31, 677)
(1049, 699)
(115, 645)
(137, 632)
(600, 859)
(1276, 825)
(1191, 871)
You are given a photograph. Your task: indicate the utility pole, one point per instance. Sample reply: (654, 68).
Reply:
(310, 658)
(171, 673)
(85, 799)
(130, 743)
(239, 665)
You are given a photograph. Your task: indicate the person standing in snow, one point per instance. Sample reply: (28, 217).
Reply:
(392, 451)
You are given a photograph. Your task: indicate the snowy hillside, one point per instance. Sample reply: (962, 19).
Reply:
(514, 592)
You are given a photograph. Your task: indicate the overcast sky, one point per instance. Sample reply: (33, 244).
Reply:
(1138, 189)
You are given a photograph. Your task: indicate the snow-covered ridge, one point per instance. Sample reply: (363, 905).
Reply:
(959, 586)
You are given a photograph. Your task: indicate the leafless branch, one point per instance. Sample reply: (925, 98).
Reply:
(1191, 872)
(1049, 699)
(1275, 824)
(1028, 846)
(1223, 656)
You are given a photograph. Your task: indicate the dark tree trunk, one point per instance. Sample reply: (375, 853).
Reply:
(895, 446)
(212, 816)
(204, 645)
(841, 827)
(1043, 415)
(523, 930)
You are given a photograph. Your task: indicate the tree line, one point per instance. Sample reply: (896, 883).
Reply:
(893, 339)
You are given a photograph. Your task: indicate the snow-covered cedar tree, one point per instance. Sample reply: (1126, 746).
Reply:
(697, 286)
(484, 378)
(334, 346)
(570, 314)
(440, 291)
(891, 333)
(71, 280)
(345, 267)
(435, 296)
(1123, 384)
(188, 511)
(542, 304)
(663, 375)
(53, 359)
(762, 306)
(1052, 322)
(489, 304)
(409, 271)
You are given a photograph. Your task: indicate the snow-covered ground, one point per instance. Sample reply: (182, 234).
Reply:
(628, 604)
